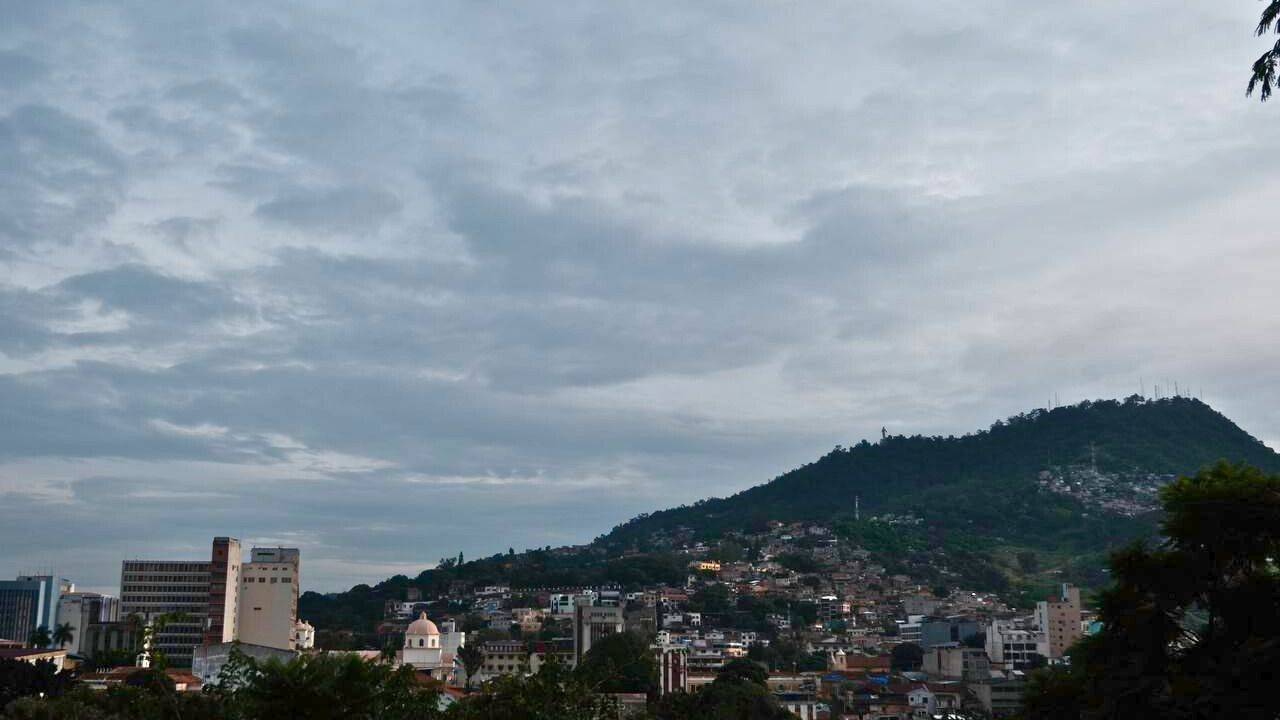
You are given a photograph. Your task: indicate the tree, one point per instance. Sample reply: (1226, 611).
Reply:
(739, 692)
(472, 658)
(619, 663)
(63, 633)
(40, 637)
(552, 693)
(906, 657)
(1264, 78)
(1188, 623)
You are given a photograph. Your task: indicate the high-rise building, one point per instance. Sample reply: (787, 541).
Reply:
(30, 602)
(268, 613)
(176, 589)
(82, 609)
(224, 591)
(1059, 619)
(198, 598)
(592, 622)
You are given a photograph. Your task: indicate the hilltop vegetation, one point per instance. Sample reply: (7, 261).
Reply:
(1007, 509)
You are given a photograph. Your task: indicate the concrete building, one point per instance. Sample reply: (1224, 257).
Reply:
(152, 588)
(1001, 695)
(224, 592)
(268, 614)
(30, 602)
(208, 660)
(1059, 619)
(82, 609)
(954, 662)
(1011, 647)
(944, 631)
(200, 598)
(592, 622)
(504, 657)
(115, 639)
(673, 668)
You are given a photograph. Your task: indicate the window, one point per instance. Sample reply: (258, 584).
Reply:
(273, 581)
(262, 579)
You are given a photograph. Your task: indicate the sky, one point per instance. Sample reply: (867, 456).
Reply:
(391, 281)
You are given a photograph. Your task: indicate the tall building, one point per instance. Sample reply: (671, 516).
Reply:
(224, 591)
(1059, 619)
(82, 609)
(268, 613)
(198, 596)
(30, 602)
(178, 589)
(592, 622)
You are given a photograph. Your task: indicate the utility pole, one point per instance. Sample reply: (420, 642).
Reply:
(857, 512)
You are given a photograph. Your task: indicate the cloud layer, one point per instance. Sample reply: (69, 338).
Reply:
(392, 281)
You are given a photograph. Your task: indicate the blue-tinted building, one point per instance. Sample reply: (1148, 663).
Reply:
(30, 602)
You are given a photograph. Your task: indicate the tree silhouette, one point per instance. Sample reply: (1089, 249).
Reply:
(40, 637)
(1188, 624)
(63, 633)
(1264, 68)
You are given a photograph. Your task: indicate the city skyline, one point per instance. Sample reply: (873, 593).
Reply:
(386, 285)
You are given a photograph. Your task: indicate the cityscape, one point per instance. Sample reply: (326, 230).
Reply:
(969, 648)
(821, 360)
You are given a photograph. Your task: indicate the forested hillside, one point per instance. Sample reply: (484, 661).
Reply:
(1035, 499)
(987, 479)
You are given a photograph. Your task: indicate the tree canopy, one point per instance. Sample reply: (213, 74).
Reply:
(1191, 627)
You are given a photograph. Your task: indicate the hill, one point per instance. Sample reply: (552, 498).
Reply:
(1071, 482)
(1034, 500)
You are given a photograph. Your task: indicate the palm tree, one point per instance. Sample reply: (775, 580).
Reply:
(63, 633)
(40, 637)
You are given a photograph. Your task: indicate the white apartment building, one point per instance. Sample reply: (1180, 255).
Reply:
(269, 598)
(1010, 647)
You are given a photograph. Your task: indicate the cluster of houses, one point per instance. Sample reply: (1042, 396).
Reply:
(864, 643)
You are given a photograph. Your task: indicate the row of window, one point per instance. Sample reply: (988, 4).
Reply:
(165, 566)
(285, 580)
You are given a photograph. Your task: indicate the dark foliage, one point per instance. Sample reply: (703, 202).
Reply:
(1191, 627)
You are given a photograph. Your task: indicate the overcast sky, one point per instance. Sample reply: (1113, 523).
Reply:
(429, 277)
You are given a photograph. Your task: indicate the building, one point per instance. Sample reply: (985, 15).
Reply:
(118, 640)
(224, 590)
(304, 636)
(34, 655)
(957, 663)
(1010, 647)
(195, 597)
(943, 631)
(592, 622)
(269, 598)
(1059, 619)
(1001, 695)
(422, 649)
(82, 609)
(208, 660)
(504, 657)
(673, 668)
(30, 602)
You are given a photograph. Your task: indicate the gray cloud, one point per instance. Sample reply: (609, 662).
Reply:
(402, 282)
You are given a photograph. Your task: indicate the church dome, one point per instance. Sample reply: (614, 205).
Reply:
(422, 626)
